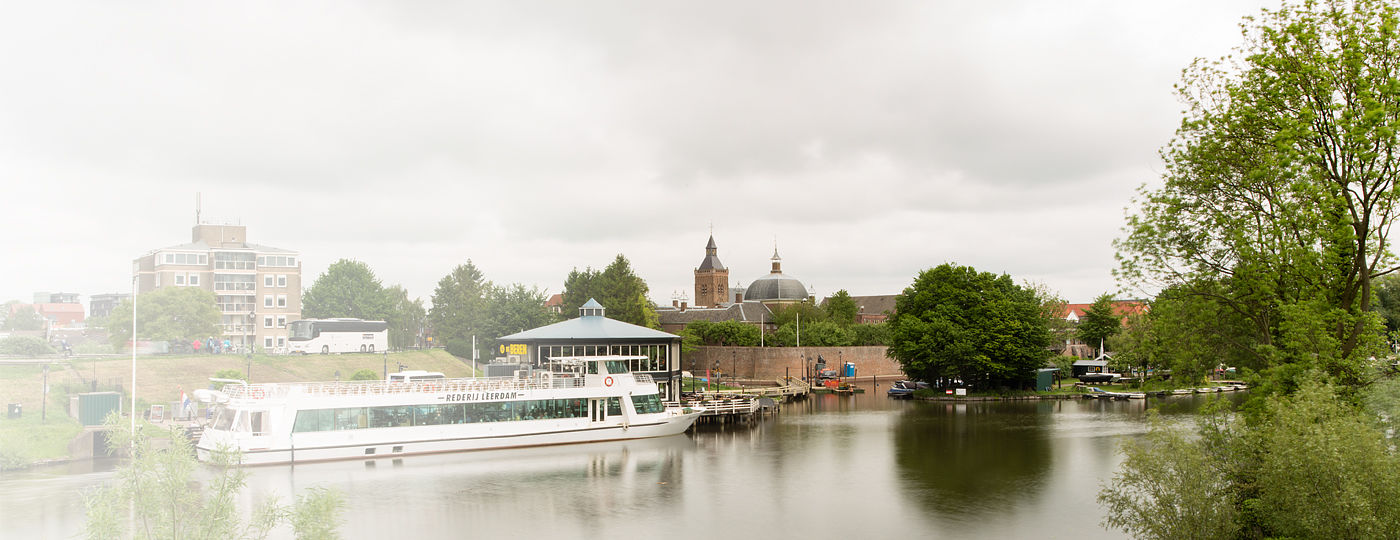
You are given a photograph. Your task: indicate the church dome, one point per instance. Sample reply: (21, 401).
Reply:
(776, 286)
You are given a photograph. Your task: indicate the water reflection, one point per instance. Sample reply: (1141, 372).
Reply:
(495, 493)
(966, 461)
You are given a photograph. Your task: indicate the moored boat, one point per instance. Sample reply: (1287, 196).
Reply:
(572, 400)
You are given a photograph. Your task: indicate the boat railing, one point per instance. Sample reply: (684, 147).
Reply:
(351, 388)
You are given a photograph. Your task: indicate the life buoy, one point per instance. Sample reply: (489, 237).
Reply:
(256, 393)
(607, 381)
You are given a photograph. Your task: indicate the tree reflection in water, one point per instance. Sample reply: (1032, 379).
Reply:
(967, 461)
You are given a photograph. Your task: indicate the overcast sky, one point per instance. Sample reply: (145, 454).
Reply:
(870, 140)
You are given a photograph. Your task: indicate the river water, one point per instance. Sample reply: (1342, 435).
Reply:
(830, 466)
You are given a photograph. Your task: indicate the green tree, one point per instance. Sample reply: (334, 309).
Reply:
(1280, 184)
(169, 313)
(346, 289)
(721, 334)
(841, 308)
(617, 288)
(515, 308)
(1100, 322)
(870, 334)
(23, 318)
(160, 489)
(1170, 486)
(1388, 304)
(406, 318)
(459, 306)
(957, 323)
(1310, 465)
(813, 334)
(792, 313)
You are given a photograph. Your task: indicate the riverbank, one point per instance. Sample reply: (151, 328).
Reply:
(160, 379)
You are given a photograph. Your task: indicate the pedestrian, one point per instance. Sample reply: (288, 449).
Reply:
(197, 344)
(228, 347)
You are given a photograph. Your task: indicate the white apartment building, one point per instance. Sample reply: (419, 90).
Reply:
(258, 288)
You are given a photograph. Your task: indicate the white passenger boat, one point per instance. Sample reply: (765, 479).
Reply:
(573, 400)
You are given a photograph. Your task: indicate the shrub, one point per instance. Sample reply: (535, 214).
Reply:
(364, 375)
(25, 346)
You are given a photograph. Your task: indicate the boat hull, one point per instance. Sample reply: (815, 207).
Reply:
(398, 442)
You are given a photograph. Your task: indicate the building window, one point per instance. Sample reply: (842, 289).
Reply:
(281, 280)
(169, 258)
(179, 279)
(281, 341)
(194, 280)
(235, 282)
(281, 300)
(267, 342)
(267, 300)
(267, 280)
(267, 322)
(281, 321)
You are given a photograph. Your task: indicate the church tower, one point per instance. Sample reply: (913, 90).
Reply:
(711, 279)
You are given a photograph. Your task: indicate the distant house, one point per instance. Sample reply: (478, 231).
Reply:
(1075, 312)
(1080, 367)
(555, 304)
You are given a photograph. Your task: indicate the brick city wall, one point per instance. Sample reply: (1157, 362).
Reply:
(766, 363)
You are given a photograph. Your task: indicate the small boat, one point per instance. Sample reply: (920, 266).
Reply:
(905, 389)
(1099, 377)
(1101, 393)
(572, 400)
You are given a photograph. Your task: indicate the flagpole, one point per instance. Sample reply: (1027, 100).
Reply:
(133, 363)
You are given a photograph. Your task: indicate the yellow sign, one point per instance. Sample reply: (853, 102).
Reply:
(515, 348)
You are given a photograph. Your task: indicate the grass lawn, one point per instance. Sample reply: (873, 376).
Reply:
(29, 438)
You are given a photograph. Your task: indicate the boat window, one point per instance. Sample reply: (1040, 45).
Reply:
(390, 416)
(255, 422)
(240, 422)
(223, 418)
(614, 406)
(592, 367)
(616, 367)
(427, 415)
(647, 404)
(317, 420)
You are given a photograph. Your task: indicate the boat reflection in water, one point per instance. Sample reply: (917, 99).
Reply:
(486, 494)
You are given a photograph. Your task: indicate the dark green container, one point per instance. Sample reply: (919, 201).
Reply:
(1045, 379)
(94, 407)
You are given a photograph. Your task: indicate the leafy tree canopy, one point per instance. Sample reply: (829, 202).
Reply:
(791, 313)
(515, 308)
(724, 333)
(841, 308)
(346, 289)
(617, 288)
(1100, 322)
(169, 313)
(957, 323)
(23, 318)
(1279, 190)
(459, 305)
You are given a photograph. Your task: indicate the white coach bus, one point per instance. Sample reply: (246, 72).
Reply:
(326, 336)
